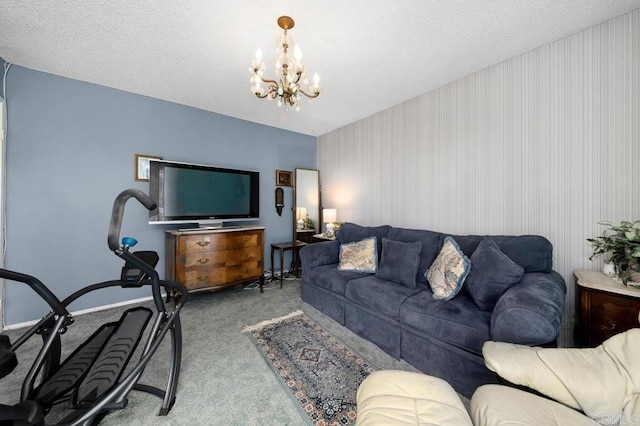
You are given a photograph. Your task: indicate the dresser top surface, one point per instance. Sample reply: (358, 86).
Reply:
(198, 231)
(596, 280)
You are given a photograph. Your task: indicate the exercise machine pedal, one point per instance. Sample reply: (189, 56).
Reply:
(113, 358)
(74, 368)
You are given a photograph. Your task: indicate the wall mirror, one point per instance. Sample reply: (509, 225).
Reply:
(306, 205)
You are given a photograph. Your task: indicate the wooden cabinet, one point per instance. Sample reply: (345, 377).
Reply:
(605, 307)
(305, 235)
(215, 259)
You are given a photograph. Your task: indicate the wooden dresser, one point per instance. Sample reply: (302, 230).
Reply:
(213, 259)
(604, 307)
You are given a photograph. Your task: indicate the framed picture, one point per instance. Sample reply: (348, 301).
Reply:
(141, 166)
(284, 178)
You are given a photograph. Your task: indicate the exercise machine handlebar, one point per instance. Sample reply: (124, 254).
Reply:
(118, 211)
(37, 286)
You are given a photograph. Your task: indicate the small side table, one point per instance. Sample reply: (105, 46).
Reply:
(605, 307)
(295, 247)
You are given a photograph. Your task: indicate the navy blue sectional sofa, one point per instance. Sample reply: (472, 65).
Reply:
(441, 338)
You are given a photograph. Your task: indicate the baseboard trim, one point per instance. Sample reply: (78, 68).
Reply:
(83, 311)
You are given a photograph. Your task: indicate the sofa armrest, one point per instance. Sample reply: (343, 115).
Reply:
(530, 312)
(314, 255)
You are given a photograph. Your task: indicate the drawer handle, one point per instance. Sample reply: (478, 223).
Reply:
(206, 277)
(245, 238)
(611, 325)
(203, 243)
(244, 271)
(202, 261)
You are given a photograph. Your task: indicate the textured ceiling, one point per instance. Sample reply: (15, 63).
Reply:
(370, 54)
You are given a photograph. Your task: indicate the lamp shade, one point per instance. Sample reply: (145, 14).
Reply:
(301, 213)
(329, 215)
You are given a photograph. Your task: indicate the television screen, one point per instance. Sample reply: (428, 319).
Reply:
(192, 193)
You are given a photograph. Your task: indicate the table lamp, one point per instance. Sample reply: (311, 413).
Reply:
(329, 216)
(301, 215)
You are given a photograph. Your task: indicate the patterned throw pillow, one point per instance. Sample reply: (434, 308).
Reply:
(361, 256)
(448, 272)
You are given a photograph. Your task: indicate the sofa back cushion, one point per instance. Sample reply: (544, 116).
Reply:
(431, 244)
(492, 273)
(399, 262)
(350, 232)
(533, 252)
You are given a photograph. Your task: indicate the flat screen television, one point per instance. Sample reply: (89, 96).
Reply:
(205, 195)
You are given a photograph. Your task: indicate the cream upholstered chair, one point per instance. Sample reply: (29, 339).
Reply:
(598, 386)
(390, 397)
(586, 386)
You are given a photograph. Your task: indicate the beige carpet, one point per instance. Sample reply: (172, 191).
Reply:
(224, 379)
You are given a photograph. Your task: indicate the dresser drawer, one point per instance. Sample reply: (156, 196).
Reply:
(220, 258)
(202, 277)
(612, 314)
(214, 242)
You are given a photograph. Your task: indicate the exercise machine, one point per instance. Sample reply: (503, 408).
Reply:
(97, 377)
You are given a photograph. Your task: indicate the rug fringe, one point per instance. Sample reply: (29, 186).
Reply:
(258, 326)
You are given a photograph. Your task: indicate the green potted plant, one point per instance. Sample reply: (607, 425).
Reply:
(622, 243)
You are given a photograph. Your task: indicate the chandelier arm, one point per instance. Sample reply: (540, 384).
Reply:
(314, 95)
(263, 96)
(266, 80)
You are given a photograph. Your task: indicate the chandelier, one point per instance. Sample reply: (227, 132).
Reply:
(290, 70)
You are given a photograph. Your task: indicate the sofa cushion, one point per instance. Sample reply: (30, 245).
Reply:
(533, 252)
(330, 278)
(431, 242)
(350, 232)
(399, 262)
(492, 273)
(447, 273)
(378, 295)
(458, 321)
(360, 256)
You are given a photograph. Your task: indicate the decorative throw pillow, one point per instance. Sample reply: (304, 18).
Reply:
(491, 275)
(399, 262)
(448, 272)
(361, 256)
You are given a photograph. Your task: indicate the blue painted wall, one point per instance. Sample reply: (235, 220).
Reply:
(70, 151)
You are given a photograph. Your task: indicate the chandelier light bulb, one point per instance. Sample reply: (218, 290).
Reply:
(287, 88)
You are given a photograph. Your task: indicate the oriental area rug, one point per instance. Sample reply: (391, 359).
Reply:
(321, 373)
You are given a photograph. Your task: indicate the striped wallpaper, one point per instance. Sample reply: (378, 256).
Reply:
(545, 143)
